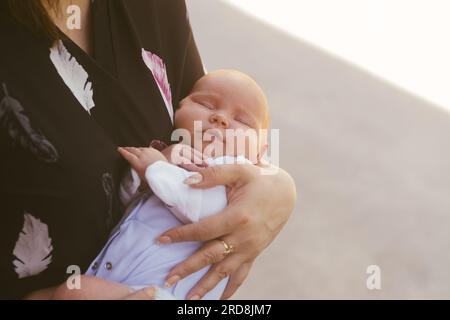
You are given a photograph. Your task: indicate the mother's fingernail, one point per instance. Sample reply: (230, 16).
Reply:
(195, 297)
(171, 281)
(194, 179)
(163, 240)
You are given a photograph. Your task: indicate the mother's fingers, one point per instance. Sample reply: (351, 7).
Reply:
(236, 280)
(185, 154)
(197, 155)
(195, 161)
(211, 253)
(216, 273)
(190, 167)
(207, 229)
(219, 175)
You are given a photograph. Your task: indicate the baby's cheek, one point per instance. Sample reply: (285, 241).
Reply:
(244, 145)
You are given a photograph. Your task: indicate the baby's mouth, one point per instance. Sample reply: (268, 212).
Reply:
(213, 135)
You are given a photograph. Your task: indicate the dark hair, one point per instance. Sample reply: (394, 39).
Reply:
(34, 15)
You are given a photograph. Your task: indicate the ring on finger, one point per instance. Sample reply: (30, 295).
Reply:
(228, 247)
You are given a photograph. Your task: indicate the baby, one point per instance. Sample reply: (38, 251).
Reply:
(220, 101)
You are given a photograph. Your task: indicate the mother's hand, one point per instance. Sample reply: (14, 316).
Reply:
(258, 207)
(93, 288)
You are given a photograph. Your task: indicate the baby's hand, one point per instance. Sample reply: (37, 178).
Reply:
(141, 158)
(184, 156)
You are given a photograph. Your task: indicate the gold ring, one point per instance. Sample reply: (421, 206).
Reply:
(228, 248)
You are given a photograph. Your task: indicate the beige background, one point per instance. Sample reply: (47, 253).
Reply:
(371, 164)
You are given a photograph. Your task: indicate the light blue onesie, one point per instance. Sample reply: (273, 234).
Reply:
(132, 257)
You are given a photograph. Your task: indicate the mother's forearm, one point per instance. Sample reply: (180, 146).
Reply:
(44, 294)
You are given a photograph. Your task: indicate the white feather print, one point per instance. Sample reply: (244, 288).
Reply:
(33, 248)
(73, 74)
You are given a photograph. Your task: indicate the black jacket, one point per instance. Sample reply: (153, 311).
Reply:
(59, 167)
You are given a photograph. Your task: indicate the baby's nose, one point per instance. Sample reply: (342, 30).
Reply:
(220, 120)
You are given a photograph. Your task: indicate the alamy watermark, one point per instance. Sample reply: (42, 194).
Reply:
(73, 282)
(373, 281)
(257, 146)
(74, 19)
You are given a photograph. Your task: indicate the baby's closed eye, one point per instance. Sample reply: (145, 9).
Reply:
(207, 105)
(245, 122)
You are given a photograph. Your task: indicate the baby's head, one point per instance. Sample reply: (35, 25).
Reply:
(220, 101)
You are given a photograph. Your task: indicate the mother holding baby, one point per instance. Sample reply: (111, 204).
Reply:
(78, 79)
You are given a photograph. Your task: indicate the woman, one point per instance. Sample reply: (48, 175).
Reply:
(60, 170)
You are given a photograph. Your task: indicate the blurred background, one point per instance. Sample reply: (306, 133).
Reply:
(360, 92)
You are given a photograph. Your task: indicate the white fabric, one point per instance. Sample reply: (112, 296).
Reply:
(129, 187)
(186, 203)
(166, 181)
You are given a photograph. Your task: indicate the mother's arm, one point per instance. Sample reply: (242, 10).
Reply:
(259, 206)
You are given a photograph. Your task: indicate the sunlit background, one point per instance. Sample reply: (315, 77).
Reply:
(403, 41)
(359, 92)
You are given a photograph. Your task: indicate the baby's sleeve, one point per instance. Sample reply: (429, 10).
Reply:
(186, 203)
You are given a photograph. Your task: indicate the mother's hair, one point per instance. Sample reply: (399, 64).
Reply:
(34, 14)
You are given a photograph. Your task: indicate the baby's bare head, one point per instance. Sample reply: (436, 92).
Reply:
(225, 101)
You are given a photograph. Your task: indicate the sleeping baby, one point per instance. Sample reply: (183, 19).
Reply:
(221, 102)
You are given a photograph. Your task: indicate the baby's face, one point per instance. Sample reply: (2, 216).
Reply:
(224, 100)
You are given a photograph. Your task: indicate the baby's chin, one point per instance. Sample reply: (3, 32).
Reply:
(215, 150)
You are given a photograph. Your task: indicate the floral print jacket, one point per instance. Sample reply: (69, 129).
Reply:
(63, 114)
